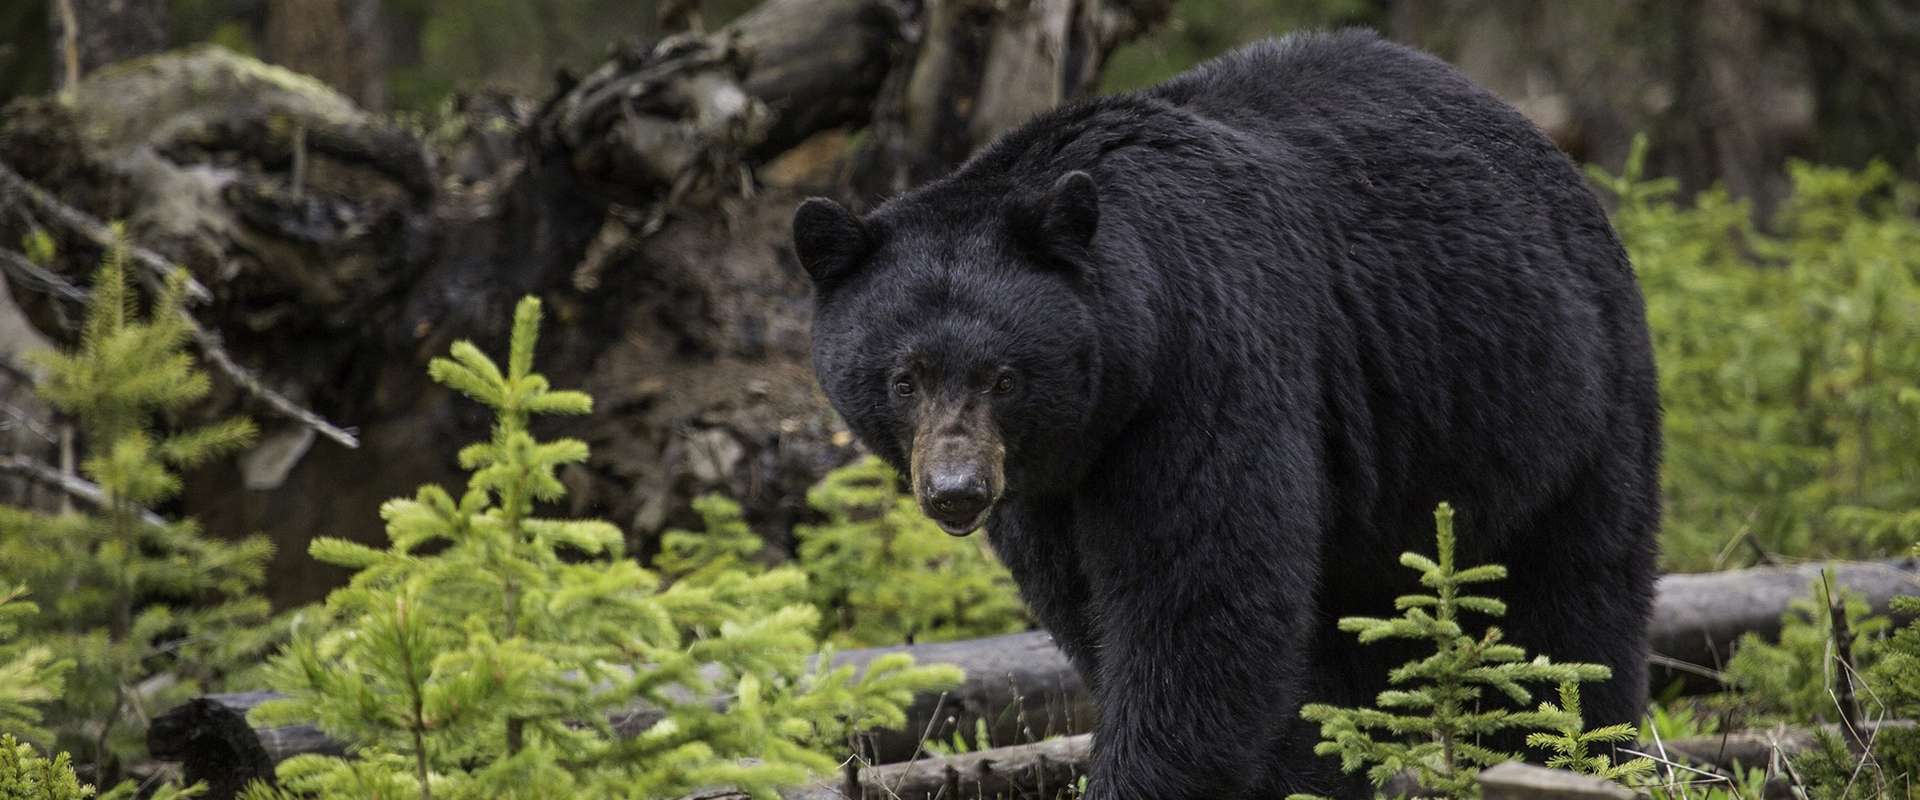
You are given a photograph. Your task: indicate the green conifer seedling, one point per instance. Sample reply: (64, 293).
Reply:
(24, 775)
(1574, 748)
(1435, 720)
(129, 594)
(880, 572)
(29, 674)
(484, 651)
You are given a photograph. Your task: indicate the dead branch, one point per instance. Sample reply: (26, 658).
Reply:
(91, 229)
(76, 487)
(23, 273)
(210, 346)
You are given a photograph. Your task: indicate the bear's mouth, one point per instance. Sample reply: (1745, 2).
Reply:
(956, 526)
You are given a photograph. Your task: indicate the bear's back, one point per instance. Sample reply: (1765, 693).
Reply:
(1473, 274)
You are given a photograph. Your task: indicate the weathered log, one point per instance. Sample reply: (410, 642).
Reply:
(1517, 781)
(1759, 748)
(1025, 690)
(1040, 770)
(1698, 618)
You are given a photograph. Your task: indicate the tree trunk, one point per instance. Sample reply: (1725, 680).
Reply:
(341, 42)
(90, 34)
(1726, 91)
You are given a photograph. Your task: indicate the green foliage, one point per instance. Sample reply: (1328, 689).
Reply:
(1572, 747)
(1796, 676)
(1796, 680)
(29, 674)
(482, 651)
(1745, 783)
(1674, 721)
(130, 595)
(1896, 678)
(25, 775)
(879, 571)
(884, 573)
(1201, 29)
(1789, 361)
(1832, 769)
(1434, 722)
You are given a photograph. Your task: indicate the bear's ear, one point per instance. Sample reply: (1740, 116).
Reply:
(1057, 228)
(828, 238)
(1072, 211)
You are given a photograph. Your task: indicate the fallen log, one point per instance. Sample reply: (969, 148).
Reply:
(1758, 748)
(1517, 781)
(1024, 689)
(1041, 770)
(1019, 684)
(1698, 618)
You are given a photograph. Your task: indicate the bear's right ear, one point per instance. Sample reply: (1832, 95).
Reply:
(828, 238)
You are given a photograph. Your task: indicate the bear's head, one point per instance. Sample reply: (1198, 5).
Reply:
(954, 331)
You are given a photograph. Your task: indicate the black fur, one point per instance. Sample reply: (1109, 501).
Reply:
(1332, 283)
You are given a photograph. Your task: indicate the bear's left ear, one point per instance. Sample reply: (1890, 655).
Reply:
(1072, 210)
(1057, 227)
(828, 238)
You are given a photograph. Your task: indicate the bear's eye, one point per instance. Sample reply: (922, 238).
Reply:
(1004, 384)
(903, 386)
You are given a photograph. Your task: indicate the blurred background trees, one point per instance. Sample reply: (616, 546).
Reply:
(1726, 89)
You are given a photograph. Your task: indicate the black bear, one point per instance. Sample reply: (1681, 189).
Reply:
(1203, 359)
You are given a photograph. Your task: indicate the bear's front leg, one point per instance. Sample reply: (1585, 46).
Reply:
(1033, 536)
(1205, 613)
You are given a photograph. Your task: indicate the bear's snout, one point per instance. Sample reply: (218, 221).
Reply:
(957, 465)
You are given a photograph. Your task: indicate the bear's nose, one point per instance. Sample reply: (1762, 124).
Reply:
(957, 498)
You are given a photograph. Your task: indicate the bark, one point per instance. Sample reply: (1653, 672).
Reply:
(1517, 781)
(90, 34)
(647, 201)
(1042, 770)
(1698, 619)
(1026, 691)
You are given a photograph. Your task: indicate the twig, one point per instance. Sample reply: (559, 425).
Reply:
(76, 487)
(1842, 640)
(209, 344)
(80, 222)
(1678, 665)
(68, 469)
(28, 275)
(69, 45)
(17, 419)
